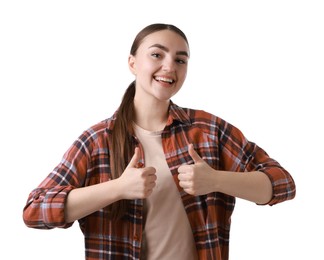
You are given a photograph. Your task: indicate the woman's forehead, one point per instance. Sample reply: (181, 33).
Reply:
(167, 38)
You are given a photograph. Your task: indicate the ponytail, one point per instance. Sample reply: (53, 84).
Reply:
(122, 145)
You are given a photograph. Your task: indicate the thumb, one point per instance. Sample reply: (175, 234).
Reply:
(134, 161)
(194, 155)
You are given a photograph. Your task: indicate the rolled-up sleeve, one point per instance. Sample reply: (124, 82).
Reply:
(45, 208)
(283, 185)
(45, 205)
(239, 154)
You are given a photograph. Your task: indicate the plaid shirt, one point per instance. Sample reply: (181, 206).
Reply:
(86, 163)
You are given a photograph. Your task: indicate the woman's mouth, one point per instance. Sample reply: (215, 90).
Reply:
(164, 79)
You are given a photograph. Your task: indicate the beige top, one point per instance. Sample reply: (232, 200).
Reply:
(167, 232)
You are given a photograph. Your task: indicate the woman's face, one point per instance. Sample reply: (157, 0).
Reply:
(160, 65)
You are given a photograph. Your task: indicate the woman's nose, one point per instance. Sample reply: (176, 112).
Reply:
(168, 65)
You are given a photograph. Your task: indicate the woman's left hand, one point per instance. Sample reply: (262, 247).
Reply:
(197, 178)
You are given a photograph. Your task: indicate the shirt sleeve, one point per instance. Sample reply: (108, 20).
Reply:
(45, 204)
(239, 154)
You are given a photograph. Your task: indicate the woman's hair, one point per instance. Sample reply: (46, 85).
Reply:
(122, 141)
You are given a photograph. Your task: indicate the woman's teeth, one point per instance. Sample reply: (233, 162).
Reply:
(164, 79)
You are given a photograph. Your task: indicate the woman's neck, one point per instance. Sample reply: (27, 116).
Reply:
(151, 116)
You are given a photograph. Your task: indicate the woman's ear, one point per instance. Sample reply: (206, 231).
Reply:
(131, 64)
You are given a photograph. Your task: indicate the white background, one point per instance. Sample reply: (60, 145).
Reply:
(257, 64)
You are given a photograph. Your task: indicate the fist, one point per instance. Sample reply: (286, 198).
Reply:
(137, 181)
(197, 178)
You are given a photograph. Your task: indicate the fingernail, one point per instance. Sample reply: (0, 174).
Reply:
(139, 165)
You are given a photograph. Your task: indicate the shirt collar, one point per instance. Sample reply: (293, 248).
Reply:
(177, 113)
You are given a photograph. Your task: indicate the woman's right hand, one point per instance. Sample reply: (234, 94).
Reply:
(136, 182)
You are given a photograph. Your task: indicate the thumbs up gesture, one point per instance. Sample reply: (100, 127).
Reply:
(137, 182)
(197, 178)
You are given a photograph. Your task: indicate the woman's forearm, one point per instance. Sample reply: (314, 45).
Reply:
(84, 201)
(253, 186)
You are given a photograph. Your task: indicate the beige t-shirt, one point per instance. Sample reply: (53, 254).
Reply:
(167, 232)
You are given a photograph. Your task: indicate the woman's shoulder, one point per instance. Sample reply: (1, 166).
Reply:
(99, 129)
(205, 120)
(105, 124)
(200, 115)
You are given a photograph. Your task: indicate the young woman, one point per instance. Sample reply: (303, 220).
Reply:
(155, 180)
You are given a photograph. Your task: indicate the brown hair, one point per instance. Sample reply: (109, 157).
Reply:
(122, 141)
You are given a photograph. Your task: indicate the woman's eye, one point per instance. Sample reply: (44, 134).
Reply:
(156, 55)
(180, 61)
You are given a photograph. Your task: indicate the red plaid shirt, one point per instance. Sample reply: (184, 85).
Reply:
(86, 162)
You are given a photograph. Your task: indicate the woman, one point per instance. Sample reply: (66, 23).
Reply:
(156, 181)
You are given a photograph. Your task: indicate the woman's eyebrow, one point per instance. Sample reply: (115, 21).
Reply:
(162, 47)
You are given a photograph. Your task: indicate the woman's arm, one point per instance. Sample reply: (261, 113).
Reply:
(134, 183)
(199, 178)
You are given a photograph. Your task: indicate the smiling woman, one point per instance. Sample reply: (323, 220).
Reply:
(156, 180)
(160, 62)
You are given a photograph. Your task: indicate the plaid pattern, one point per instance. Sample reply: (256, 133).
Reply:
(86, 162)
